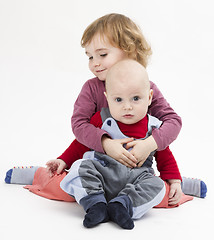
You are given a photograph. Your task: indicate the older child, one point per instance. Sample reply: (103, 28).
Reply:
(108, 40)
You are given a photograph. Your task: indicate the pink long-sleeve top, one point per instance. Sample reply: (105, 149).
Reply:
(91, 99)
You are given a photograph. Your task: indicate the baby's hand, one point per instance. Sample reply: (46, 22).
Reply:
(55, 166)
(142, 149)
(175, 192)
(114, 148)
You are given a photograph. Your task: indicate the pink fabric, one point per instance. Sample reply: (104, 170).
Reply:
(91, 99)
(49, 187)
(164, 203)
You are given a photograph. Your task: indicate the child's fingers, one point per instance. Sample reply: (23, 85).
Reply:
(140, 163)
(49, 171)
(60, 169)
(126, 161)
(129, 155)
(130, 144)
(126, 140)
(174, 197)
(173, 201)
(51, 167)
(171, 193)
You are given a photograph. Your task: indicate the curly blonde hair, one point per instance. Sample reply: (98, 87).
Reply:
(121, 32)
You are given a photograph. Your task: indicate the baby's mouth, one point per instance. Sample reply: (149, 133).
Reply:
(128, 115)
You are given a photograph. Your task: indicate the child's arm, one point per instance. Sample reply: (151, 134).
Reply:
(172, 123)
(74, 152)
(167, 165)
(90, 100)
(169, 172)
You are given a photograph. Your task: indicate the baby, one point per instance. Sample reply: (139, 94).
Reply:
(104, 187)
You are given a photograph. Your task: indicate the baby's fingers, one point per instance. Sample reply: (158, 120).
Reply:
(129, 159)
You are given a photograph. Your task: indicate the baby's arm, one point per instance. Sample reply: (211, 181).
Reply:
(169, 172)
(172, 123)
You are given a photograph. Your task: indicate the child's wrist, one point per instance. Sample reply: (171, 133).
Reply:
(171, 181)
(152, 143)
(104, 140)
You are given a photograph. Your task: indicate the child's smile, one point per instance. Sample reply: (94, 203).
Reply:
(102, 56)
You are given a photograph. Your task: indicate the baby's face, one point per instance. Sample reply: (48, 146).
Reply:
(102, 56)
(128, 100)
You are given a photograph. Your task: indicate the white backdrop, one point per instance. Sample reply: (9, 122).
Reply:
(42, 69)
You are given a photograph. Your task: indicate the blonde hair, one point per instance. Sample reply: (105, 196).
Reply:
(121, 32)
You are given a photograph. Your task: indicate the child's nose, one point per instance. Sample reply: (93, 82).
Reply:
(97, 64)
(127, 106)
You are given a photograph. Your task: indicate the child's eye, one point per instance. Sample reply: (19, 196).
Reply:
(118, 99)
(103, 55)
(136, 98)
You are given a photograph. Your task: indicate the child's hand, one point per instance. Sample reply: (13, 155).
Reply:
(55, 166)
(142, 149)
(175, 192)
(114, 148)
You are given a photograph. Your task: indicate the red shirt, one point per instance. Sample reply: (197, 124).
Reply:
(166, 163)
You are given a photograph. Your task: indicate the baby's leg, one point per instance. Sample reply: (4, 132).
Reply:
(120, 211)
(145, 192)
(84, 182)
(21, 175)
(194, 187)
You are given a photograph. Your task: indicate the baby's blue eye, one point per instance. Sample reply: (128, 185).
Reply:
(136, 98)
(103, 55)
(118, 99)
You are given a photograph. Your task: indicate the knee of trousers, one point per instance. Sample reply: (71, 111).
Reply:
(72, 184)
(150, 198)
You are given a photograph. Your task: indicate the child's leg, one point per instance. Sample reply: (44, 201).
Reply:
(21, 175)
(194, 187)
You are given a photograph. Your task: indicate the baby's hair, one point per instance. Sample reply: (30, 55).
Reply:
(124, 70)
(121, 32)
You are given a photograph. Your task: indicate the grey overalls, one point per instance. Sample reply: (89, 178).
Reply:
(100, 178)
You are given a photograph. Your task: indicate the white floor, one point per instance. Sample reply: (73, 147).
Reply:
(28, 216)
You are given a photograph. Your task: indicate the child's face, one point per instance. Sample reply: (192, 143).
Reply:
(128, 99)
(102, 56)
